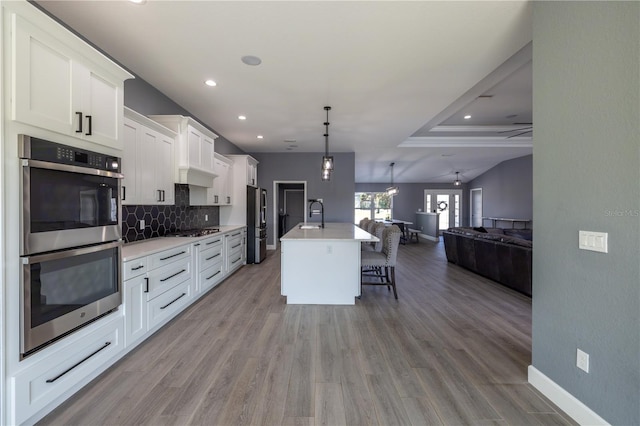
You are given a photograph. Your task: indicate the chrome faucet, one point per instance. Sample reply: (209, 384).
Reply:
(321, 211)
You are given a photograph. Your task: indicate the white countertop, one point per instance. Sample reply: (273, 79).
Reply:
(142, 248)
(330, 232)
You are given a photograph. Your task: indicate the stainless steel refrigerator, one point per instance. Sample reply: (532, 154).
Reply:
(256, 224)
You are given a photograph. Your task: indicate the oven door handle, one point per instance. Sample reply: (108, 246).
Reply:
(28, 260)
(68, 168)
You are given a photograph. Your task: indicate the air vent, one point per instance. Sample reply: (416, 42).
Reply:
(485, 96)
(289, 141)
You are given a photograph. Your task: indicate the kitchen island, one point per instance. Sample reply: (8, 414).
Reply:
(321, 266)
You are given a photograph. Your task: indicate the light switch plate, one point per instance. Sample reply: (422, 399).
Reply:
(594, 241)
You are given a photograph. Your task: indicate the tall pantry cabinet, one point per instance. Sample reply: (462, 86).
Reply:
(56, 87)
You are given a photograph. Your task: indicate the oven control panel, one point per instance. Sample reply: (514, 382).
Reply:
(43, 150)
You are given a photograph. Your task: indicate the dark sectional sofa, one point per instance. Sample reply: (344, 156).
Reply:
(503, 255)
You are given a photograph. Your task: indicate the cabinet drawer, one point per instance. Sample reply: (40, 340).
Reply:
(211, 276)
(169, 304)
(72, 364)
(209, 257)
(235, 244)
(235, 260)
(134, 268)
(162, 279)
(211, 242)
(168, 256)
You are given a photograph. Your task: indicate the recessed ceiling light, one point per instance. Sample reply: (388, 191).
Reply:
(210, 83)
(260, 137)
(466, 117)
(242, 117)
(251, 60)
(138, 1)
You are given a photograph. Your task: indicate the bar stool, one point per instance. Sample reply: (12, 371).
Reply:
(382, 265)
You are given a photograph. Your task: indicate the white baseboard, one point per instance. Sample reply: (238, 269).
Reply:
(563, 399)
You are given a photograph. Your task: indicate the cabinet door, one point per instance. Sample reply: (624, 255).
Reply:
(224, 185)
(43, 71)
(54, 90)
(135, 309)
(100, 105)
(217, 192)
(146, 166)
(164, 168)
(130, 160)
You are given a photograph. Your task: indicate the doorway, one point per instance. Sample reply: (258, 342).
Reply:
(289, 207)
(447, 203)
(476, 207)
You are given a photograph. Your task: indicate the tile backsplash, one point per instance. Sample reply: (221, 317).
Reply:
(161, 220)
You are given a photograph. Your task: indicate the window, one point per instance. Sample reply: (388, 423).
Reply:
(373, 205)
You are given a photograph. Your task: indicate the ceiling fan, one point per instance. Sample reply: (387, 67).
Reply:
(527, 128)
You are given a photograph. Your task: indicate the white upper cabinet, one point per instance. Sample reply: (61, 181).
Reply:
(221, 192)
(252, 172)
(244, 172)
(194, 150)
(60, 83)
(147, 162)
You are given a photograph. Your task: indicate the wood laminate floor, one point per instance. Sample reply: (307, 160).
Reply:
(453, 350)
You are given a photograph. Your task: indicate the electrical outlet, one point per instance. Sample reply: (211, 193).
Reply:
(582, 360)
(142, 225)
(206, 218)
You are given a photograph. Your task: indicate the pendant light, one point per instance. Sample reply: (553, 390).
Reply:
(457, 182)
(392, 190)
(327, 160)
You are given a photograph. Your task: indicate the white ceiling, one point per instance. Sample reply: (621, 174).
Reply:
(398, 75)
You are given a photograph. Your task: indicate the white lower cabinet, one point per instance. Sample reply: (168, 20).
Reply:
(156, 292)
(57, 374)
(158, 286)
(169, 304)
(235, 249)
(210, 260)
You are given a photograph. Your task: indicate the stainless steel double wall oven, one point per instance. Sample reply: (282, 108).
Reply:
(71, 244)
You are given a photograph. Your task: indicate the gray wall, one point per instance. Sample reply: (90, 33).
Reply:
(336, 193)
(507, 189)
(586, 176)
(142, 97)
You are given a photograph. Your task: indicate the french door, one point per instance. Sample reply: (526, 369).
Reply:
(448, 203)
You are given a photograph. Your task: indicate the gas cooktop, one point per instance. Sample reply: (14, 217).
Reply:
(194, 232)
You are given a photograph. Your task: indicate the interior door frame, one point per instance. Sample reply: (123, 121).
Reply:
(450, 192)
(471, 206)
(276, 187)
